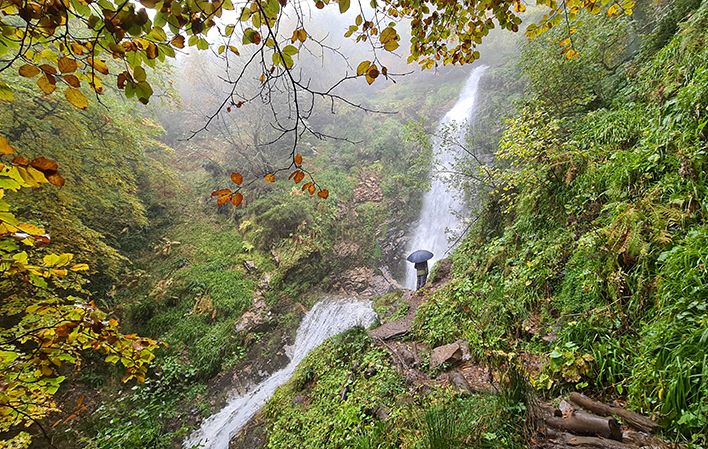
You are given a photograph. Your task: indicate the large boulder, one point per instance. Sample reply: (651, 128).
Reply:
(452, 354)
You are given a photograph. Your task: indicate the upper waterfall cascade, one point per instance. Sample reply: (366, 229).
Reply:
(442, 210)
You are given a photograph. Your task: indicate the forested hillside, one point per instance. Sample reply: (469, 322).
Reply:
(169, 217)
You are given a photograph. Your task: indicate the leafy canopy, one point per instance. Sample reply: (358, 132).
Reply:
(68, 45)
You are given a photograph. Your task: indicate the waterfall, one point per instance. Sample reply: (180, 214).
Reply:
(443, 208)
(327, 318)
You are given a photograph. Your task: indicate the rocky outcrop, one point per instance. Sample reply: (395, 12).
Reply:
(259, 314)
(401, 326)
(368, 189)
(365, 282)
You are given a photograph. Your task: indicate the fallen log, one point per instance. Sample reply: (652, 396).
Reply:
(645, 441)
(581, 423)
(633, 419)
(565, 439)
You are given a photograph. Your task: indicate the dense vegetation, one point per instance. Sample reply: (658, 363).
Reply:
(586, 267)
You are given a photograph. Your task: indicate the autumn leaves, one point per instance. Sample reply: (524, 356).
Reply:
(235, 197)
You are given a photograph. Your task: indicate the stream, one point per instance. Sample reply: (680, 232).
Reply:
(327, 318)
(442, 211)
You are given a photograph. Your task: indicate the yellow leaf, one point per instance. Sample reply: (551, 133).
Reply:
(99, 66)
(46, 85)
(30, 229)
(80, 267)
(76, 97)
(362, 68)
(59, 272)
(5, 147)
(269, 177)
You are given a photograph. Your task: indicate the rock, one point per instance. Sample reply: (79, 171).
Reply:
(258, 315)
(408, 357)
(301, 399)
(458, 380)
(466, 355)
(250, 266)
(451, 353)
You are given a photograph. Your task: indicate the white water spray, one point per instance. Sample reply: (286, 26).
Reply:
(443, 204)
(327, 318)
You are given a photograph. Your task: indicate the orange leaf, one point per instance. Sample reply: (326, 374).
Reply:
(21, 161)
(311, 189)
(178, 41)
(223, 199)
(237, 178)
(221, 192)
(56, 179)
(298, 159)
(299, 176)
(324, 193)
(43, 164)
(270, 177)
(67, 65)
(72, 80)
(306, 186)
(237, 199)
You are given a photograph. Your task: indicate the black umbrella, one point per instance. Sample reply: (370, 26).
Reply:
(420, 256)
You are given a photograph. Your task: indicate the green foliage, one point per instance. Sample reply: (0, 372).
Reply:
(333, 395)
(104, 203)
(138, 418)
(590, 255)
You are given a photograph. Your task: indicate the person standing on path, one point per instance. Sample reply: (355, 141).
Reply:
(421, 269)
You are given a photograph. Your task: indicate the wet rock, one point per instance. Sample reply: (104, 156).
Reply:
(258, 316)
(301, 399)
(452, 354)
